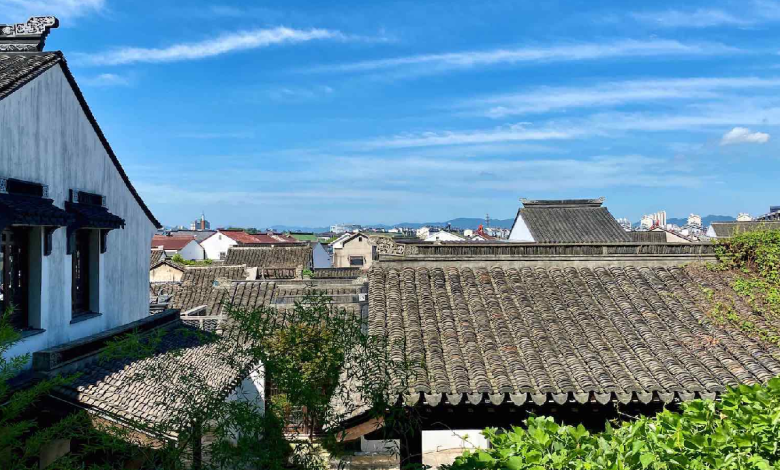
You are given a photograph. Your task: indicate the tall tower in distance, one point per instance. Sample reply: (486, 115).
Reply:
(200, 224)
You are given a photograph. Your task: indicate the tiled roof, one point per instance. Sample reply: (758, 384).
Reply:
(563, 333)
(239, 236)
(91, 216)
(197, 235)
(197, 286)
(254, 294)
(31, 210)
(337, 273)
(648, 237)
(573, 224)
(271, 257)
(729, 229)
(19, 68)
(276, 273)
(170, 243)
(274, 238)
(173, 264)
(156, 257)
(121, 390)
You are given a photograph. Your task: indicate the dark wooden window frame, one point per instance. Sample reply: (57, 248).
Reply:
(362, 260)
(81, 272)
(15, 275)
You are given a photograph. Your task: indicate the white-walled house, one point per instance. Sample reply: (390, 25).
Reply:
(216, 246)
(354, 251)
(75, 233)
(188, 248)
(444, 236)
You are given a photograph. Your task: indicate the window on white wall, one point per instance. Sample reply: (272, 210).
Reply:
(14, 263)
(82, 288)
(28, 220)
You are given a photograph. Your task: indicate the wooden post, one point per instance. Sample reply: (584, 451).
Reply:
(197, 446)
(411, 446)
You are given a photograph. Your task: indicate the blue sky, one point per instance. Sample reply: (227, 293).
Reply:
(311, 112)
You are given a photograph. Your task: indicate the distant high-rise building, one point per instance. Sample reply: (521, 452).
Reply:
(625, 223)
(653, 220)
(694, 220)
(200, 224)
(744, 217)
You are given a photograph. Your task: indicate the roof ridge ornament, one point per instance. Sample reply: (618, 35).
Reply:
(27, 37)
(563, 202)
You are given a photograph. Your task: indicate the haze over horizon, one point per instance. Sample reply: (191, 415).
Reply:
(305, 113)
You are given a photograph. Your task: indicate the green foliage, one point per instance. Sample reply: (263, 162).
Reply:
(741, 431)
(21, 436)
(754, 259)
(318, 359)
(307, 273)
(756, 251)
(177, 258)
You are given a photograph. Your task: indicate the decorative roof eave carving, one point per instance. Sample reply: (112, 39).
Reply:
(526, 399)
(27, 37)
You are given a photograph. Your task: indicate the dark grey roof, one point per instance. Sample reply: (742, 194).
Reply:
(562, 202)
(155, 258)
(19, 68)
(120, 388)
(271, 256)
(32, 210)
(648, 237)
(337, 273)
(564, 333)
(583, 223)
(197, 235)
(202, 286)
(729, 229)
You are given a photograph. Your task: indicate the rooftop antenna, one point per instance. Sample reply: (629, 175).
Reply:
(487, 220)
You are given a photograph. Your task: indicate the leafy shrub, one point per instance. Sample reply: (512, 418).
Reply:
(177, 258)
(741, 431)
(757, 251)
(754, 259)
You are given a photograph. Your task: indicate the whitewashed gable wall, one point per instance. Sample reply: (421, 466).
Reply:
(45, 137)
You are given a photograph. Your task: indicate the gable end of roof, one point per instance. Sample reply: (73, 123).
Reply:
(33, 70)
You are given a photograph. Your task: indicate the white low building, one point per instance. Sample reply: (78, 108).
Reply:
(187, 248)
(444, 236)
(75, 233)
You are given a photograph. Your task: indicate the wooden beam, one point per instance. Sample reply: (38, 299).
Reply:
(360, 430)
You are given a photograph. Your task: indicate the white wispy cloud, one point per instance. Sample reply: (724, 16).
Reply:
(547, 99)
(216, 135)
(688, 120)
(22, 9)
(245, 40)
(106, 80)
(743, 135)
(518, 55)
(699, 18)
(299, 94)
(511, 133)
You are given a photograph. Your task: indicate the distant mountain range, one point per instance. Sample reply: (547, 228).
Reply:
(461, 222)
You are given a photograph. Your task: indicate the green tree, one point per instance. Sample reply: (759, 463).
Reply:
(21, 435)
